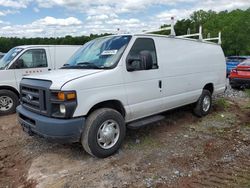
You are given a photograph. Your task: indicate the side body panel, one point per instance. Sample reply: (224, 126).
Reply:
(187, 67)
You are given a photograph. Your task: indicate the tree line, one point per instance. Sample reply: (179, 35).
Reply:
(234, 25)
(7, 43)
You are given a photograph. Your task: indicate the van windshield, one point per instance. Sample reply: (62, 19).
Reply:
(101, 53)
(7, 58)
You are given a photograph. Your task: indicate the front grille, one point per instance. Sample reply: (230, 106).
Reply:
(35, 95)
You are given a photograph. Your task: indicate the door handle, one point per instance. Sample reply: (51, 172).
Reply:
(49, 69)
(160, 84)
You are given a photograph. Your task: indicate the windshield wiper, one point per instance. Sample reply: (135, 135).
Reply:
(87, 64)
(83, 65)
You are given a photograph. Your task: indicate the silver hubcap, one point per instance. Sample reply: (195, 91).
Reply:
(108, 134)
(6, 103)
(206, 103)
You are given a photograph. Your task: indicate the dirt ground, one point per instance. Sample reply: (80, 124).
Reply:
(180, 151)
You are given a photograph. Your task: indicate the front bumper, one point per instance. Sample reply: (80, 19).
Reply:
(239, 82)
(65, 130)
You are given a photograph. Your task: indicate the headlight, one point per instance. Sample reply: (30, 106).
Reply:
(63, 103)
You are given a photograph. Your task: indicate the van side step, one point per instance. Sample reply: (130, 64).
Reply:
(145, 121)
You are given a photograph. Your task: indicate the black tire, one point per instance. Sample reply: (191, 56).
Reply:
(93, 123)
(199, 109)
(15, 101)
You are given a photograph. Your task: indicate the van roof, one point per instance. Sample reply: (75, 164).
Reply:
(163, 36)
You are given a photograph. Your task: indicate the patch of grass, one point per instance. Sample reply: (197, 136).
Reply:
(222, 103)
(247, 91)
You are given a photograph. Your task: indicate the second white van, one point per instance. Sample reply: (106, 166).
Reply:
(25, 60)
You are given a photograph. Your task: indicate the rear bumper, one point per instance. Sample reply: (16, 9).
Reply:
(239, 81)
(65, 130)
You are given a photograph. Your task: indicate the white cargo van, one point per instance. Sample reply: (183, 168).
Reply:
(118, 81)
(25, 60)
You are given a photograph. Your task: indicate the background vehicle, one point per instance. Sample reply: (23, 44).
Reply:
(118, 81)
(1, 55)
(24, 60)
(240, 77)
(234, 61)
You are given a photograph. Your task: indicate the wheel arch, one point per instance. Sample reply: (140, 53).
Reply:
(113, 104)
(209, 87)
(10, 89)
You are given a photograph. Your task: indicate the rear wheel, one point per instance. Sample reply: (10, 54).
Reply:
(204, 104)
(8, 102)
(104, 132)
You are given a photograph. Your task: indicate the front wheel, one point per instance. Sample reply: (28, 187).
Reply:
(8, 102)
(204, 104)
(103, 133)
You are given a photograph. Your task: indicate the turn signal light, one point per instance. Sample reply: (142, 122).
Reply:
(66, 96)
(71, 96)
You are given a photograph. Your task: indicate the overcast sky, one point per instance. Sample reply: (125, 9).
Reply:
(42, 18)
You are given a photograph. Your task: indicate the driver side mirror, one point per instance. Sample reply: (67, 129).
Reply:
(143, 62)
(18, 64)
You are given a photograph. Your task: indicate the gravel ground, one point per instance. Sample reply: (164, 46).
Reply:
(180, 151)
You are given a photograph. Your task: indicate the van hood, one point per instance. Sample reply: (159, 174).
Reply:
(62, 76)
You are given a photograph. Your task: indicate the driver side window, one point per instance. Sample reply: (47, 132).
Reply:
(141, 45)
(33, 59)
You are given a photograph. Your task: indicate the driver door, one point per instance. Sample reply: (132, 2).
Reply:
(31, 62)
(143, 87)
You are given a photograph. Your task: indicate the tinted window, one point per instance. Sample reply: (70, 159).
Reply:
(33, 59)
(144, 44)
